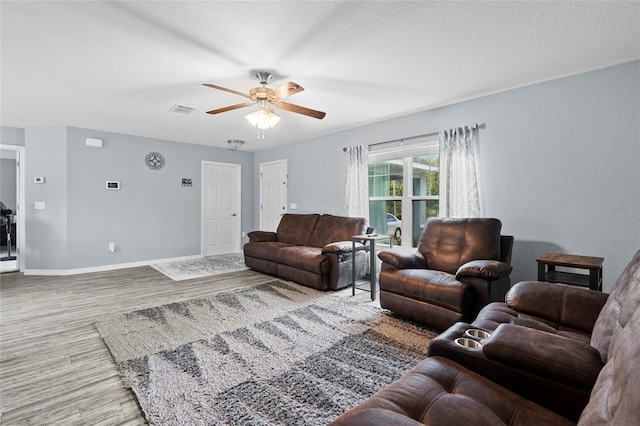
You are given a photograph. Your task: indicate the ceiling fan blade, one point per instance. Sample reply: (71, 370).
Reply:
(230, 108)
(213, 86)
(287, 89)
(300, 110)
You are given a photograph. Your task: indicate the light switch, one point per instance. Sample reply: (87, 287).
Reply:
(39, 205)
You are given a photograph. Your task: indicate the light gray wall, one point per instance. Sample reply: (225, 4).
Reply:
(151, 217)
(46, 230)
(559, 165)
(11, 136)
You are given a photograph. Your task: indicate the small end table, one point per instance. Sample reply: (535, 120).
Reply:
(371, 238)
(547, 270)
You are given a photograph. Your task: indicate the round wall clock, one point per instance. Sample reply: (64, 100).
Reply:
(154, 160)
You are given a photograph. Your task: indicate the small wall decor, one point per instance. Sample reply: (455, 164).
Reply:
(186, 182)
(112, 184)
(154, 160)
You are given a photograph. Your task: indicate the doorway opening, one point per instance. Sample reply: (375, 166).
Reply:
(12, 221)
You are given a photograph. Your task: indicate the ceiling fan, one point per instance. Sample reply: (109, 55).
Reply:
(263, 95)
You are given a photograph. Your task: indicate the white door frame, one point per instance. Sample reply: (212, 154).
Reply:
(237, 238)
(20, 206)
(261, 189)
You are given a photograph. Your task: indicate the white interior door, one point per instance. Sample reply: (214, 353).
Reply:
(273, 194)
(220, 208)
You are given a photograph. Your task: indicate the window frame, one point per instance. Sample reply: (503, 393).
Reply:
(419, 148)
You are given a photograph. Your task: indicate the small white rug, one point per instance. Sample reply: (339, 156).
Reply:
(198, 268)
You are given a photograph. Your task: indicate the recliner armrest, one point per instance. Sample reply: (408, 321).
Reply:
(403, 258)
(340, 247)
(489, 270)
(262, 236)
(551, 356)
(562, 304)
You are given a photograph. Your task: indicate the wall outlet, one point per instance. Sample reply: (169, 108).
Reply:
(112, 247)
(244, 234)
(293, 206)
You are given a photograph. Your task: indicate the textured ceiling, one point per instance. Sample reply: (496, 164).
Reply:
(120, 66)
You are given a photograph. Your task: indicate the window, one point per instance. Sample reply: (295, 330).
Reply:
(404, 190)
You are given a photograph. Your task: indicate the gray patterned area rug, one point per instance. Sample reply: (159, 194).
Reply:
(198, 268)
(273, 354)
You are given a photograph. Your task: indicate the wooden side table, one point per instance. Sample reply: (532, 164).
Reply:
(371, 238)
(547, 270)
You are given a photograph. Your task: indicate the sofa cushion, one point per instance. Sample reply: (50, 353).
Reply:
(440, 392)
(560, 304)
(296, 229)
(331, 229)
(615, 396)
(301, 257)
(448, 243)
(266, 250)
(625, 287)
(426, 285)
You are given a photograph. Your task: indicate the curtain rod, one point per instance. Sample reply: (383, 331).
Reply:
(481, 126)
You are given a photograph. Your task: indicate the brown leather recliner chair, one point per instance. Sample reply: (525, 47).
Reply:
(460, 266)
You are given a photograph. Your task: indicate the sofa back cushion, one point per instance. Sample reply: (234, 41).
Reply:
(616, 394)
(448, 243)
(296, 229)
(331, 229)
(625, 290)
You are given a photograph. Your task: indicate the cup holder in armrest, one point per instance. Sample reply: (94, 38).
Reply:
(468, 343)
(475, 333)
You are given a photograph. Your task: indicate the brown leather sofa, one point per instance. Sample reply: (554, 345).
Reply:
(311, 249)
(575, 326)
(441, 391)
(460, 266)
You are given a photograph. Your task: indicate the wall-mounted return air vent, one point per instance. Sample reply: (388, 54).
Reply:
(181, 109)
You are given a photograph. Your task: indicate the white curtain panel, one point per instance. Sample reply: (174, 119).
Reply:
(458, 179)
(356, 192)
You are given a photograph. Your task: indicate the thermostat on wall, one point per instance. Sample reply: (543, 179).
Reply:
(113, 184)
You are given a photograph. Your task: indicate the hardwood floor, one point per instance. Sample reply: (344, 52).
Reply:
(54, 366)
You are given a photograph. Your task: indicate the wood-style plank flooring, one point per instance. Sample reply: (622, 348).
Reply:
(54, 367)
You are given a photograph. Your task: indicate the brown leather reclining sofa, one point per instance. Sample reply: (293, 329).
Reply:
(571, 337)
(311, 249)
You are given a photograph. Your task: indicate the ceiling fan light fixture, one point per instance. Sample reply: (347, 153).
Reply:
(263, 118)
(235, 143)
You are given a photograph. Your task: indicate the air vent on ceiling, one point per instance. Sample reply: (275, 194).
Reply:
(181, 109)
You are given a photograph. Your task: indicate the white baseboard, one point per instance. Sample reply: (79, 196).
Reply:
(104, 268)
